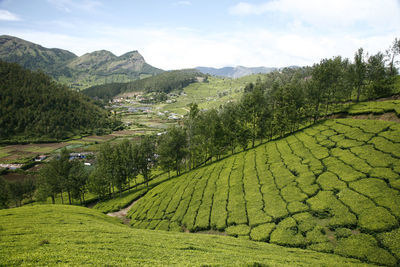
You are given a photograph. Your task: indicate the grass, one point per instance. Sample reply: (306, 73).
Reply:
(299, 191)
(68, 235)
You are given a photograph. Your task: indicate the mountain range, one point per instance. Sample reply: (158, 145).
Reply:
(234, 72)
(95, 68)
(98, 67)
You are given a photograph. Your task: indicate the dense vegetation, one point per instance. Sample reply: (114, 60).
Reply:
(34, 108)
(32, 236)
(164, 82)
(35, 57)
(333, 187)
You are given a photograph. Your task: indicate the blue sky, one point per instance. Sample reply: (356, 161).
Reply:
(173, 34)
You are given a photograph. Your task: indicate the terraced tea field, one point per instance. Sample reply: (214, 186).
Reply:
(334, 187)
(49, 235)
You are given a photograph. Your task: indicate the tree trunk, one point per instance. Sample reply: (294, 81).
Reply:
(69, 197)
(358, 93)
(62, 198)
(53, 199)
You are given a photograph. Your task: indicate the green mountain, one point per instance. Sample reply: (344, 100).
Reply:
(34, 57)
(35, 108)
(164, 82)
(49, 235)
(333, 187)
(98, 67)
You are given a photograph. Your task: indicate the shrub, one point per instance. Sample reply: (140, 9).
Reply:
(262, 232)
(377, 219)
(238, 230)
(364, 247)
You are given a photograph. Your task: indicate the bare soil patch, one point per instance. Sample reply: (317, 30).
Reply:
(122, 213)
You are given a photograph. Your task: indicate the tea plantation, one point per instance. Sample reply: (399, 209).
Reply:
(50, 235)
(334, 187)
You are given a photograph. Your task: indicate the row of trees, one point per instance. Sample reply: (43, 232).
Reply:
(16, 191)
(278, 105)
(62, 175)
(120, 164)
(275, 106)
(117, 166)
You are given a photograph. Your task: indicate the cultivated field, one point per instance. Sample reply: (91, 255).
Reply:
(50, 235)
(334, 187)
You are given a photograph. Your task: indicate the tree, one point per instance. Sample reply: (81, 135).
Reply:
(380, 82)
(172, 149)
(105, 165)
(16, 192)
(359, 71)
(98, 183)
(4, 195)
(78, 177)
(145, 158)
(392, 53)
(29, 187)
(252, 104)
(231, 125)
(49, 184)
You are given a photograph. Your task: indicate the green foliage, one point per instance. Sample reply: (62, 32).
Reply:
(391, 240)
(78, 72)
(163, 82)
(364, 247)
(238, 230)
(287, 233)
(92, 238)
(35, 108)
(262, 232)
(293, 191)
(377, 219)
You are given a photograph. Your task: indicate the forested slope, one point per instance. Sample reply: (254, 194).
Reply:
(333, 187)
(34, 108)
(164, 82)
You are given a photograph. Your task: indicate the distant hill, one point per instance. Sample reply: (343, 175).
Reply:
(234, 72)
(35, 108)
(94, 68)
(164, 82)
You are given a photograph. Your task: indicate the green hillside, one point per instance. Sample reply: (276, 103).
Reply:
(333, 187)
(90, 69)
(34, 57)
(76, 236)
(34, 108)
(163, 83)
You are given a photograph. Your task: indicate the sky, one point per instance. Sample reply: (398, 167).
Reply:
(173, 34)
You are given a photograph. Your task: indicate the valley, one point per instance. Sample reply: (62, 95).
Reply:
(106, 160)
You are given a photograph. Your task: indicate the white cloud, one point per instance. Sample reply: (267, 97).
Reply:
(183, 3)
(8, 16)
(381, 14)
(174, 49)
(69, 5)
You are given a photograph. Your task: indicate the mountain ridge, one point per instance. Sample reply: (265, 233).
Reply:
(79, 72)
(235, 72)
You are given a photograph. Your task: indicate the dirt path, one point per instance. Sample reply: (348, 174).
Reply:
(122, 213)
